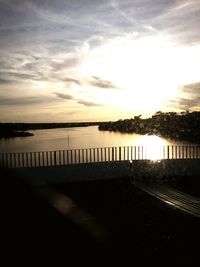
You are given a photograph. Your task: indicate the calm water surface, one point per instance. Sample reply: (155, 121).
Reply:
(79, 137)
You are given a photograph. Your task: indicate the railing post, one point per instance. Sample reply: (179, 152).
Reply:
(60, 157)
(94, 157)
(64, 157)
(175, 151)
(4, 161)
(71, 157)
(86, 155)
(43, 161)
(14, 160)
(196, 152)
(90, 155)
(193, 152)
(55, 163)
(19, 160)
(67, 156)
(167, 152)
(7, 161)
(83, 156)
(97, 154)
(51, 157)
(79, 156)
(46, 158)
(113, 154)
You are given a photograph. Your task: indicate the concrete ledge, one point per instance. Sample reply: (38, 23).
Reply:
(139, 169)
(70, 173)
(168, 170)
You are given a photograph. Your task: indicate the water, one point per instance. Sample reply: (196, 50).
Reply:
(77, 138)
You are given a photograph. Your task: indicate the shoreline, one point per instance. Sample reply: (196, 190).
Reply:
(12, 130)
(168, 137)
(170, 125)
(13, 134)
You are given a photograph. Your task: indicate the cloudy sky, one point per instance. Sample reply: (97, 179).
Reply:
(89, 60)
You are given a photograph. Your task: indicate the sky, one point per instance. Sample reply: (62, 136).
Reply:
(89, 60)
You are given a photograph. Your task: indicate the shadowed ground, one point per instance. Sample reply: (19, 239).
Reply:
(139, 227)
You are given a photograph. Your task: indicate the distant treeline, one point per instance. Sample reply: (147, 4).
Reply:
(20, 129)
(37, 126)
(183, 126)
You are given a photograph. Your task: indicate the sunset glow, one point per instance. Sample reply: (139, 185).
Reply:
(94, 61)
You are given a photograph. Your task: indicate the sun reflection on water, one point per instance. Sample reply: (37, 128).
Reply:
(153, 146)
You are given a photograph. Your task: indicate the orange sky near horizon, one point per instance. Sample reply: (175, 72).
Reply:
(98, 61)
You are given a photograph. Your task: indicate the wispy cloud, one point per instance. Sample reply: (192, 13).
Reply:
(180, 21)
(15, 76)
(98, 82)
(78, 101)
(5, 81)
(193, 88)
(64, 96)
(185, 103)
(190, 99)
(87, 103)
(45, 44)
(65, 64)
(22, 101)
(72, 80)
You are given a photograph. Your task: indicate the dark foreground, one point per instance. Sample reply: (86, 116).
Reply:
(139, 228)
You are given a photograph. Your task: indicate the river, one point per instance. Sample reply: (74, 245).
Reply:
(79, 137)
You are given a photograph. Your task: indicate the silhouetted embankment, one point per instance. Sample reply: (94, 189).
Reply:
(12, 133)
(171, 125)
(8, 130)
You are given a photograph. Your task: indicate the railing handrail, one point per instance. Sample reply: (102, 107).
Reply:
(95, 154)
(161, 146)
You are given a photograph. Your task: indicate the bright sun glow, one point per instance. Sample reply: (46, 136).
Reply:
(143, 71)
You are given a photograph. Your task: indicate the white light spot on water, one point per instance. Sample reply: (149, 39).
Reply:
(153, 146)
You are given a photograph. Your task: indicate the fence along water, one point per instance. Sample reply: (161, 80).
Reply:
(92, 155)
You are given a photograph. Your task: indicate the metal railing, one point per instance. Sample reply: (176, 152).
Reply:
(91, 155)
